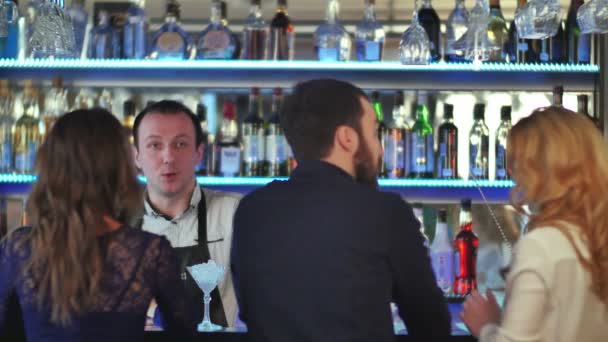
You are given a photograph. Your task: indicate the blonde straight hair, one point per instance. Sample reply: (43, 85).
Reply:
(559, 162)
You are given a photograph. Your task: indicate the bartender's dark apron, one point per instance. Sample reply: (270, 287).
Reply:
(198, 254)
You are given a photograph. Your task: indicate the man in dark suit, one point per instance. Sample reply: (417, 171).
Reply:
(320, 257)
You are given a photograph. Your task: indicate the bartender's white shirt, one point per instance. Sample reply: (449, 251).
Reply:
(182, 231)
(548, 294)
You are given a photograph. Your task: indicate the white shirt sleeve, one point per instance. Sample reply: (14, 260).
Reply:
(526, 300)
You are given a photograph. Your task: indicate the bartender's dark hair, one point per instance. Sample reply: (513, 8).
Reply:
(85, 172)
(168, 107)
(314, 111)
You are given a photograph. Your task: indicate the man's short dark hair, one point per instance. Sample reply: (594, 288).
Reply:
(168, 107)
(314, 111)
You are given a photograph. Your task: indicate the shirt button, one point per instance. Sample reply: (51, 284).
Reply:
(173, 222)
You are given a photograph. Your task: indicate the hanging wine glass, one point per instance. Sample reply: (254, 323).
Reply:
(592, 17)
(53, 34)
(474, 43)
(538, 19)
(415, 47)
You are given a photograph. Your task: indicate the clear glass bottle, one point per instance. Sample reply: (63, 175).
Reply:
(253, 136)
(421, 144)
(136, 31)
(216, 40)
(442, 254)
(282, 34)
(228, 150)
(7, 120)
(394, 143)
(479, 145)
(369, 36)
(55, 104)
(255, 34)
(80, 19)
(332, 41)
(171, 41)
(457, 24)
(104, 41)
(447, 136)
(502, 133)
(498, 35)
(275, 164)
(429, 19)
(26, 137)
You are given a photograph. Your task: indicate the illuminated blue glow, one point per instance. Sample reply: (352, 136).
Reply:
(260, 181)
(287, 65)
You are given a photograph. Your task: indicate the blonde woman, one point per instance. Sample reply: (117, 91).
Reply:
(557, 288)
(79, 272)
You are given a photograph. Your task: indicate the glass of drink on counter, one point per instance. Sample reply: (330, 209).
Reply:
(207, 276)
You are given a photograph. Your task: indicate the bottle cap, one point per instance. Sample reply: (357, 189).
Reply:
(505, 113)
(466, 204)
(479, 111)
(448, 111)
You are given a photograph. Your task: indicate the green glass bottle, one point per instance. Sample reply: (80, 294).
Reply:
(421, 143)
(382, 130)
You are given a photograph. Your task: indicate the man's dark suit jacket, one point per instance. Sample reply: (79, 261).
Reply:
(320, 257)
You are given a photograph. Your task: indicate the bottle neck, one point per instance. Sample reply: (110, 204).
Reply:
(277, 103)
(378, 109)
(333, 10)
(521, 3)
(254, 105)
(460, 4)
(139, 3)
(495, 4)
(422, 113)
(583, 106)
(255, 10)
(466, 221)
(557, 100)
(104, 20)
(216, 13)
(575, 4)
(282, 6)
(369, 14)
(427, 4)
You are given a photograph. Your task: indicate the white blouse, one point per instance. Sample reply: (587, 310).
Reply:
(548, 294)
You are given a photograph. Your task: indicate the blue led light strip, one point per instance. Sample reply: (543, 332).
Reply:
(287, 65)
(259, 181)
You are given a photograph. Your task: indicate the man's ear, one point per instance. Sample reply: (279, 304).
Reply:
(347, 139)
(135, 153)
(199, 153)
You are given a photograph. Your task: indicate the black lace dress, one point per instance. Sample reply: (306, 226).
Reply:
(138, 266)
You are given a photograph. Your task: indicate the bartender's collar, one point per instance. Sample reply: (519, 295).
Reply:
(154, 212)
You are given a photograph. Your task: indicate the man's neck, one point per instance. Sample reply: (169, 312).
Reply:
(171, 206)
(343, 163)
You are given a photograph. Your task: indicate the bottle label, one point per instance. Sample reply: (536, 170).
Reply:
(475, 170)
(6, 161)
(328, 54)
(522, 46)
(501, 172)
(171, 44)
(400, 153)
(418, 153)
(253, 148)
(230, 161)
(372, 51)
(215, 45)
(443, 267)
(275, 149)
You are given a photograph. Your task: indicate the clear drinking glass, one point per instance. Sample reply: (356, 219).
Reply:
(592, 17)
(53, 33)
(207, 276)
(538, 19)
(415, 46)
(475, 43)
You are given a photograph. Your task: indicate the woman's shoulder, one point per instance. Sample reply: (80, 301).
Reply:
(558, 240)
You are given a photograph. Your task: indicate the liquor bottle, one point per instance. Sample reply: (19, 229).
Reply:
(228, 150)
(171, 41)
(253, 136)
(583, 108)
(9, 45)
(80, 19)
(369, 36)
(282, 34)
(579, 44)
(457, 25)
(128, 119)
(447, 155)
(442, 254)
(479, 145)
(332, 41)
(394, 143)
(421, 144)
(553, 49)
(7, 106)
(418, 210)
(136, 31)
(255, 34)
(216, 40)
(275, 164)
(105, 100)
(104, 42)
(55, 104)
(201, 114)
(382, 130)
(465, 243)
(502, 133)
(26, 137)
(429, 19)
(497, 32)
(558, 96)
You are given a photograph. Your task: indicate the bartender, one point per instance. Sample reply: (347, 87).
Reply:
(197, 222)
